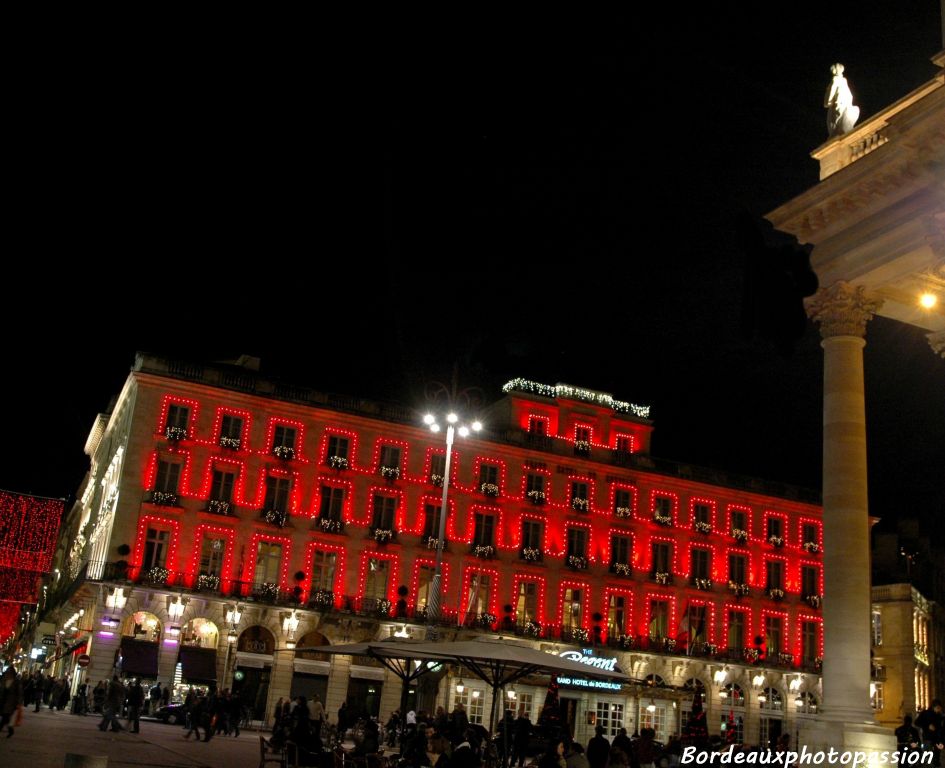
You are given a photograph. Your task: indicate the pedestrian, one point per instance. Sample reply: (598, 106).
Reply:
(931, 722)
(575, 756)
(342, 719)
(521, 734)
(318, 716)
(135, 702)
(154, 697)
(114, 698)
(598, 749)
(11, 699)
(277, 715)
(196, 716)
(907, 738)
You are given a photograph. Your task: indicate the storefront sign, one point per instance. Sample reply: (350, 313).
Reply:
(581, 682)
(49, 639)
(585, 657)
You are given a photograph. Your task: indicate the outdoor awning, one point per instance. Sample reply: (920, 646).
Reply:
(139, 658)
(198, 665)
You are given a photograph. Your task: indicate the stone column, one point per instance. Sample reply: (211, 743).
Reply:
(842, 311)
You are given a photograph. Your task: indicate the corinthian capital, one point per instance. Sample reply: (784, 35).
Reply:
(842, 309)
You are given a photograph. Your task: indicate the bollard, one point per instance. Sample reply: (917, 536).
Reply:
(85, 761)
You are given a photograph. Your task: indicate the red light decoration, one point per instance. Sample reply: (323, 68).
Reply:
(29, 526)
(768, 514)
(166, 402)
(590, 539)
(299, 428)
(522, 578)
(710, 618)
(674, 504)
(801, 618)
(801, 564)
(376, 458)
(347, 514)
(687, 571)
(183, 483)
(515, 532)
(477, 464)
(374, 554)
(700, 500)
(466, 596)
(239, 487)
(634, 499)
(249, 569)
(627, 595)
(765, 613)
(466, 537)
(820, 531)
(672, 548)
(746, 619)
(381, 490)
(748, 563)
(790, 585)
(631, 439)
(628, 533)
(546, 473)
(338, 587)
(585, 588)
(589, 481)
(160, 523)
(215, 532)
(669, 598)
(420, 520)
(275, 471)
(247, 419)
(428, 463)
(339, 432)
(534, 417)
(415, 579)
(729, 508)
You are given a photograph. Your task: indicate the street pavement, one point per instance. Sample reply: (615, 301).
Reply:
(44, 738)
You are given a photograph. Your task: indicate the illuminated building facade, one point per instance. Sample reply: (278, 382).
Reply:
(227, 519)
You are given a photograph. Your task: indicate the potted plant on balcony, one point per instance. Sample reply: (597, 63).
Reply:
(579, 504)
(812, 547)
(284, 452)
(741, 536)
(531, 554)
(175, 434)
(337, 462)
(536, 497)
(702, 527)
(622, 512)
(485, 551)
(230, 443)
(383, 535)
(577, 562)
(389, 473)
(489, 489)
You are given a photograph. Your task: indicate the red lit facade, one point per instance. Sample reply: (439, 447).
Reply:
(215, 488)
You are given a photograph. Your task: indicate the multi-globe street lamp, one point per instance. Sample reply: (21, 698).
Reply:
(452, 427)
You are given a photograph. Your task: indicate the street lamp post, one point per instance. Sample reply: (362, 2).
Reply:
(433, 604)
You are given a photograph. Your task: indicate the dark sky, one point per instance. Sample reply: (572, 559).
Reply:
(363, 218)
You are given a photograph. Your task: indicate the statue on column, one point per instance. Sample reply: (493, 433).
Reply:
(841, 114)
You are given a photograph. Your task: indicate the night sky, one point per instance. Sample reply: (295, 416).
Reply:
(517, 207)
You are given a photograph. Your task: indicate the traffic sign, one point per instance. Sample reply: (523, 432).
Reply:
(84, 660)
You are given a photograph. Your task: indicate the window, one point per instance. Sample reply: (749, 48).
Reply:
(168, 477)
(775, 527)
(810, 648)
(484, 530)
(480, 592)
(332, 503)
(537, 426)
(736, 630)
(773, 702)
(702, 513)
(521, 704)
(268, 562)
(231, 427)
(877, 626)
(582, 434)
(701, 563)
(659, 720)
(624, 444)
(212, 551)
(377, 577)
(531, 534)
(617, 616)
(774, 574)
(277, 493)
(431, 521)
(774, 632)
(622, 501)
(323, 570)
(736, 723)
(663, 505)
(696, 619)
(177, 416)
(610, 717)
(739, 520)
(437, 465)
(620, 550)
(579, 491)
(876, 696)
(221, 485)
(488, 473)
(572, 609)
(425, 574)
(660, 554)
(472, 701)
(736, 569)
(390, 456)
(810, 581)
(535, 483)
(526, 602)
(382, 516)
(155, 548)
(577, 542)
(810, 534)
(337, 446)
(283, 437)
(659, 619)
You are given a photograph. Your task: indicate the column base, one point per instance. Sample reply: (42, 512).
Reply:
(847, 737)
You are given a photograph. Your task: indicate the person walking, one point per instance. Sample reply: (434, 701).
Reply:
(196, 716)
(598, 749)
(11, 699)
(114, 698)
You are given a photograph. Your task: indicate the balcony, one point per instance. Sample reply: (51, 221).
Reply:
(582, 448)
(536, 497)
(284, 452)
(701, 583)
(663, 578)
(275, 516)
(337, 462)
(389, 473)
(329, 525)
(489, 489)
(579, 504)
(432, 542)
(576, 562)
(383, 535)
(530, 554)
(483, 551)
(622, 569)
(219, 507)
(539, 442)
(175, 434)
(162, 498)
(230, 443)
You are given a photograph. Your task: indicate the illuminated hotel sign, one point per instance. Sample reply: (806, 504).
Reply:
(585, 656)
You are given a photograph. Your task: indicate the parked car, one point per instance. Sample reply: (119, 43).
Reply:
(171, 713)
